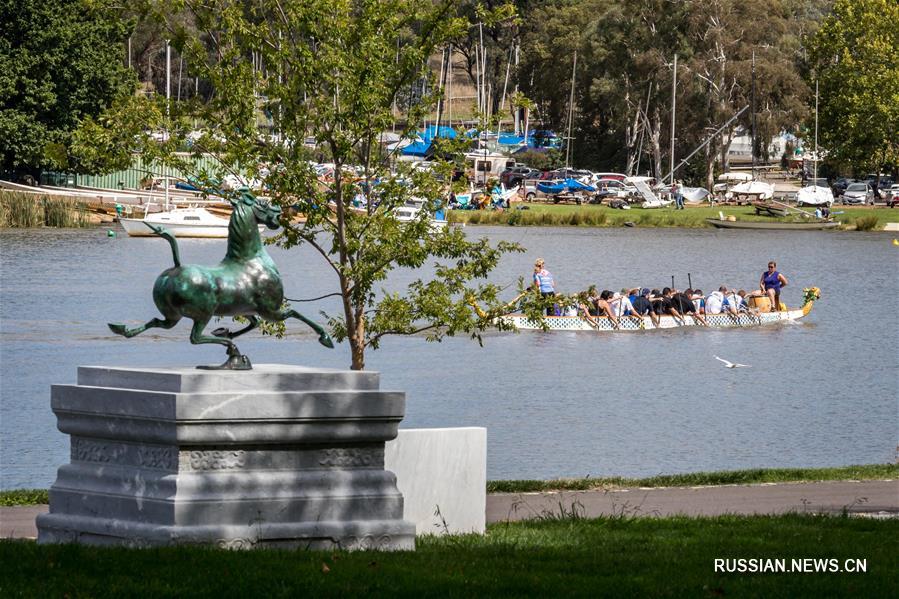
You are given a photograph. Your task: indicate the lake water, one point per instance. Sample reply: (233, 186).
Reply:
(819, 393)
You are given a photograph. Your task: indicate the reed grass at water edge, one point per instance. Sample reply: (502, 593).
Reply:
(22, 211)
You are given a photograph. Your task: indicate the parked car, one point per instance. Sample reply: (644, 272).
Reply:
(892, 196)
(858, 193)
(884, 186)
(528, 188)
(513, 176)
(840, 185)
(615, 189)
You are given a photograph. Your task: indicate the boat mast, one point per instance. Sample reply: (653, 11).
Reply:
(815, 180)
(673, 108)
(753, 115)
(168, 97)
(570, 112)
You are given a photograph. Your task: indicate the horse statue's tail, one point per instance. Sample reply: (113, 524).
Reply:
(164, 233)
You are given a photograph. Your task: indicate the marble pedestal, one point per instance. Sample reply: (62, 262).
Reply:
(442, 474)
(278, 456)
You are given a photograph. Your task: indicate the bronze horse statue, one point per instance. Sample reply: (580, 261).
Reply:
(245, 283)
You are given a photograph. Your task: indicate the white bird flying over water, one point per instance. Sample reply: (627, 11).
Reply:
(731, 364)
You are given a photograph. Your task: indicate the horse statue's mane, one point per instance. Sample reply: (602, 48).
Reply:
(243, 231)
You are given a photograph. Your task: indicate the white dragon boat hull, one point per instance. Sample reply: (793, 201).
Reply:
(645, 323)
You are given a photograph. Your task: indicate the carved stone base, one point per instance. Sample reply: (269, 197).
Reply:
(278, 456)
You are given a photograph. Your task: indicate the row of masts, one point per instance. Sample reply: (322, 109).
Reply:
(483, 94)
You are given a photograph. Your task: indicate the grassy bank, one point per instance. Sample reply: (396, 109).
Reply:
(727, 477)
(862, 218)
(615, 557)
(20, 210)
(23, 497)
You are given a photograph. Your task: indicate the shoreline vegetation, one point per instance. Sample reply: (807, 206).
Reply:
(24, 497)
(694, 217)
(797, 555)
(31, 211)
(24, 211)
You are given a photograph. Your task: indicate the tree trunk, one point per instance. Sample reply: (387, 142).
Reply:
(655, 139)
(354, 325)
(710, 154)
(357, 350)
(631, 135)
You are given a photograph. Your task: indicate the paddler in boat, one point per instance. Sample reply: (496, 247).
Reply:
(665, 305)
(642, 306)
(603, 308)
(586, 306)
(623, 307)
(771, 283)
(683, 303)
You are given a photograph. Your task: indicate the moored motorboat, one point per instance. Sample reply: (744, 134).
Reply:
(412, 211)
(180, 222)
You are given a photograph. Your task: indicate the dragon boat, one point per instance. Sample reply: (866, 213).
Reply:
(645, 323)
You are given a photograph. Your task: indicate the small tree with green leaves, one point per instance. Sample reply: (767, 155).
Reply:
(331, 70)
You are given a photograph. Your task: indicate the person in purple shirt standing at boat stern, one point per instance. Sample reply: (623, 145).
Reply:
(771, 283)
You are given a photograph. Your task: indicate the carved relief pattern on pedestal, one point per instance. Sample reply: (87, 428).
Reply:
(86, 450)
(160, 458)
(342, 457)
(217, 459)
(353, 543)
(235, 544)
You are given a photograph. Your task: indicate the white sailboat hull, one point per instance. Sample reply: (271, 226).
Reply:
(758, 189)
(815, 195)
(181, 222)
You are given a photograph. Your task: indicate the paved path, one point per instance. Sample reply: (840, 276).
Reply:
(859, 497)
(876, 498)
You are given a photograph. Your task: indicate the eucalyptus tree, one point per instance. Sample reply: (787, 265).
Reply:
(326, 73)
(737, 45)
(855, 59)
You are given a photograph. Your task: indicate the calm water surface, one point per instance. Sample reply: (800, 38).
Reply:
(819, 393)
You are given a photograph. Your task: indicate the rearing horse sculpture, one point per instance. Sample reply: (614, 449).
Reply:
(245, 283)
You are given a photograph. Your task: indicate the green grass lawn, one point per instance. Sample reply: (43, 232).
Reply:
(539, 214)
(727, 477)
(618, 557)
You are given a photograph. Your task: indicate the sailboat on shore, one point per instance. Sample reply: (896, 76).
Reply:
(815, 194)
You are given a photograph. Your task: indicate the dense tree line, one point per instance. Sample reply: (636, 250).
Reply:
(623, 81)
(60, 62)
(63, 63)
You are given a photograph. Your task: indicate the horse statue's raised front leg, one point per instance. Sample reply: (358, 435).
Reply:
(235, 361)
(286, 313)
(120, 329)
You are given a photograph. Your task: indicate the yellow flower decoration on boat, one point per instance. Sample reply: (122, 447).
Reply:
(811, 294)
